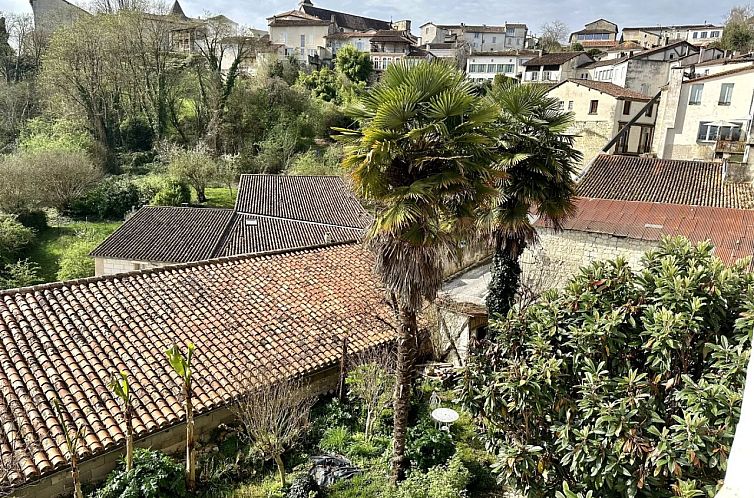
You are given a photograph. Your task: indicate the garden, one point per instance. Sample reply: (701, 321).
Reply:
(625, 383)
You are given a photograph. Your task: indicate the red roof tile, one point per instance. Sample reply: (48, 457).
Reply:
(730, 230)
(284, 313)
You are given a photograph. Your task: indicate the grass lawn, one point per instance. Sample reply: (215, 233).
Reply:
(218, 197)
(52, 243)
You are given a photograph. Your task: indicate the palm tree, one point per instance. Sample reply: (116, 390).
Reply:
(181, 365)
(422, 156)
(121, 386)
(538, 159)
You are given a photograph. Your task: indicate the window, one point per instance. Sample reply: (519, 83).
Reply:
(649, 111)
(714, 34)
(491, 68)
(709, 132)
(593, 107)
(570, 105)
(546, 76)
(695, 35)
(494, 39)
(696, 94)
(510, 31)
(534, 76)
(360, 46)
(505, 68)
(476, 35)
(726, 93)
(626, 107)
(303, 41)
(703, 34)
(561, 105)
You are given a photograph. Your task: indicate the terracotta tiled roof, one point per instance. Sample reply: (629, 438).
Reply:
(168, 234)
(319, 199)
(693, 183)
(274, 315)
(343, 20)
(554, 59)
(730, 230)
(612, 89)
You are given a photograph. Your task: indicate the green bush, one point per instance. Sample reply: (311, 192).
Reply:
(13, 237)
(36, 220)
(76, 262)
(110, 200)
(335, 439)
(173, 193)
(624, 383)
(428, 446)
(22, 273)
(136, 134)
(370, 484)
(448, 481)
(154, 475)
(42, 134)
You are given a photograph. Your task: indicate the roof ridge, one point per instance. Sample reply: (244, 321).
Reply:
(167, 268)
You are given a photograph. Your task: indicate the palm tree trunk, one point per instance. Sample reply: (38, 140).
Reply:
(77, 493)
(404, 376)
(506, 273)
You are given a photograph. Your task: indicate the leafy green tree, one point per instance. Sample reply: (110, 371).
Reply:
(181, 365)
(537, 160)
(372, 386)
(625, 383)
(323, 83)
(355, 64)
(22, 273)
(76, 262)
(738, 34)
(43, 134)
(173, 193)
(195, 167)
(136, 134)
(421, 154)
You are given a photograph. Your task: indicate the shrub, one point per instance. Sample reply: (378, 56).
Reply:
(335, 439)
(355, 64)
(371, 386)
(76, 262)
(42, 134)
(13, 237)
(370, 484)
(173, 193)
(22, 273)
(195, 167)
(624, 383)
(136, 134)
(303, 486)
(313, 162)
(110, 200)
(33, 219)
(331, 413)
(428, 446)
(438, 482)
(154, 475)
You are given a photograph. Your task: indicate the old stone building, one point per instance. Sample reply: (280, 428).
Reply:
(600, 34)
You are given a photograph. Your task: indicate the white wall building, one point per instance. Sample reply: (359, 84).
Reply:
(706, 118)
(485, 66)
(479, 38)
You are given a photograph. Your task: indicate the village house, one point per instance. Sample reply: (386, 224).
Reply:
(385, 46)
(556, 67)
(657, 36)
(721, 64)
(600, 34)
(645, 71)
(485, 66)
(309, 32)
(261, 319)
(478, 38)
(600, 110)
(272, 213)
(706, 118)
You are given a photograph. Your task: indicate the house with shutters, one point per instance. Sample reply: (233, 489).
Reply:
(602, 109)
(312, 35)
(658, 36)
(556, 67)
(477, 38)
(484, 66)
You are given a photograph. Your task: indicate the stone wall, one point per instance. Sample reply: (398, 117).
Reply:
(562, 254)
(171, 440)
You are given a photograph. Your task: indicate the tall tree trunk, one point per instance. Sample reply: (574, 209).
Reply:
(281, 469)
(404, 376)
(506, 273)
(190, 456)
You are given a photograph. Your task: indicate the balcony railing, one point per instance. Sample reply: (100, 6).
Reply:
(730, 146)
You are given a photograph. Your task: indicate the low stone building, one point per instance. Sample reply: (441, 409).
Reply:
(556, 67)
(255, 319)
(600, 34)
